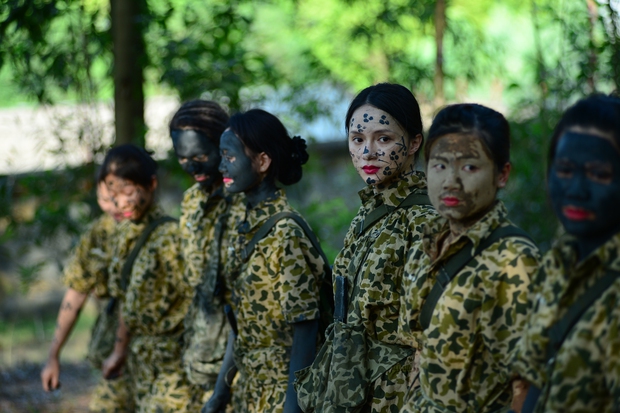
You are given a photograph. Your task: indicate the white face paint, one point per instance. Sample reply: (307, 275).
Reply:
(380, 148)
(462, 178)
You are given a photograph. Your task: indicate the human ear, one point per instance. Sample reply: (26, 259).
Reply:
(263, 161)
(153, 185)
(502, 176)
(415, 144)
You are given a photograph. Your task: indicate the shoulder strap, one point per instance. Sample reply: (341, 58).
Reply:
(559, 331)
(414, 198)
(451, 268)
(126, 271)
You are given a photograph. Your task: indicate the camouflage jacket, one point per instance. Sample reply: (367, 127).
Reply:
(586, 373)
(276, 287)
(87, 269)
(465, 352)
(373, 264)
(156, 299)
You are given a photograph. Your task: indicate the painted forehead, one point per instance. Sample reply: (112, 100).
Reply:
(369, 116)
(579, 145)
(458, 145)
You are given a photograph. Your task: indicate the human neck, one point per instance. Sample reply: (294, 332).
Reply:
(264, 190)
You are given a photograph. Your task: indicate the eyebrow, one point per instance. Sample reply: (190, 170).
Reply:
(443, 158)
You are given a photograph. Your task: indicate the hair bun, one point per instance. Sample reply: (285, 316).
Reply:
(299, 152)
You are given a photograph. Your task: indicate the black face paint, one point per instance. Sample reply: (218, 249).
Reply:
(584, 187)
(235, 166)
(198, 156)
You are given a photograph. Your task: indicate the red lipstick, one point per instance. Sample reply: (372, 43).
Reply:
(577, 214)
(370, 169)
(450, 201)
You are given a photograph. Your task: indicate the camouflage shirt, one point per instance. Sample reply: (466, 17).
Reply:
(465, 352)
(378, 256)
(586, 373)
(276, 287)
(87, 269)
(156, 299)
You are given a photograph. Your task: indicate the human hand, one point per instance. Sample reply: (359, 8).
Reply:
(50, 374)
(112, 366)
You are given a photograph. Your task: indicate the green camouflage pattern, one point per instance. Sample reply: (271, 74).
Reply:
(586, 372)
(112, 396)
(153, 308)
(206, 327)
(378, 256)
(465, 353)
(159, 382)
(87, 269)
(276, 287)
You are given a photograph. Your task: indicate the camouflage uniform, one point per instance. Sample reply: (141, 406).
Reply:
(378, 257)
(465, 351)
(86, 272)
(206, 327)
(153, 307)
(586, 374)
(276, 287)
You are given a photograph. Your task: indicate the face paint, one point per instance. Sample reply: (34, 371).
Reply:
(380, 149)
(198, 156)
(131, 200)
(238, 171)
(462, 178)
(106, 202)
(584, 186)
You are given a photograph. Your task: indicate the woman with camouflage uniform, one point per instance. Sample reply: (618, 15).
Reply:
(275, 284)
(465, 288)
(195, 130)
(153, 297)
(86, 272)
(569, 351)
(363, 366)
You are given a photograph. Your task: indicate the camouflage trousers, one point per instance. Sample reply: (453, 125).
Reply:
(159, 382)
(112, 396)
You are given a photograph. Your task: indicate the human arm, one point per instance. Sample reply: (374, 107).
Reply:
(221, 394)
(70, 308)
(302, 355)
(112, 366)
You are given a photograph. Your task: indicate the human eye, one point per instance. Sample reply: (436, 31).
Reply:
(201, 158)
(356, 139)
(182, 160)
(439, 166)
(563, 168)
(600, 173)
(470, 168)
(385, 139)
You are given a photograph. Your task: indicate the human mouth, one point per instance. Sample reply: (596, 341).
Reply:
(127, 214)
(370, 169)
(201, 177)
(228, 181)
(450, 201)
(577, 214)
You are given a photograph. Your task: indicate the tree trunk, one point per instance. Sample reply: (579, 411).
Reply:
(440, 29)
(592, 59)
(128, 20)
(614, 44)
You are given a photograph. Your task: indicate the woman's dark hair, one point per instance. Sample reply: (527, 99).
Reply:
(204, 116)
(490, 126)
(129, 162)
(394, 99)
(597, 111)
(261, 131)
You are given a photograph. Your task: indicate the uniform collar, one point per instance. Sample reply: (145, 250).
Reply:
(437, 229)
(256, 216)
(396, 191)
(136, 227)
(606, 256)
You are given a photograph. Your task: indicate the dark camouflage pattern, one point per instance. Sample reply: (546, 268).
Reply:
(465, 353)
(153, 307)
(206, 327)
(87, 269)
(112, 396)
(379, 254)
(586, 370)
(277, 287)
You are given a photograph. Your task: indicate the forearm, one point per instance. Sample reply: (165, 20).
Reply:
(70, 308)
(302, 355)
(123, 337)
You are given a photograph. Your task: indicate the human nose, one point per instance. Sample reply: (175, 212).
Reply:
(191, 167)
(222, 167)
(577, 187)
(369, 151)
(452, 180)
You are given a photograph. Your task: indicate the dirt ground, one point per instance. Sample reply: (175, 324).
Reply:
(21, 391)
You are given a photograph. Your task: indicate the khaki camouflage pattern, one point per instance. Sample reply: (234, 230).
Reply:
(112, 396)
(586, 372)
(206, 327)
(379, 255)
(153, 307)
(277, 287)
(465, 353)
(87, 269)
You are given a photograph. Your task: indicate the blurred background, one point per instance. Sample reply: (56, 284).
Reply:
(79, 76)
